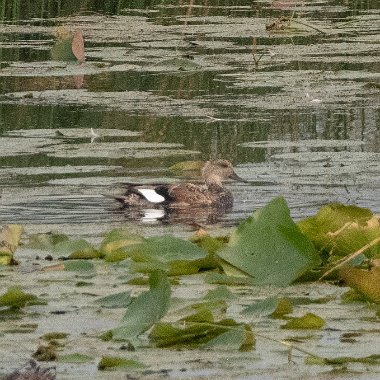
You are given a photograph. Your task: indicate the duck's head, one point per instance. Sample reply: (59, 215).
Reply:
(215, 172)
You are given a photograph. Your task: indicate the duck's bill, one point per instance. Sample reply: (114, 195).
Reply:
(235, 177)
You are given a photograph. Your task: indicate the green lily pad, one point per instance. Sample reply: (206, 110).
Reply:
(220, 293)
(269, 247)
(16, 298)
(166, 249)
(117, 300)
(146, 309)
(117, 243)
(76, 249)
(201, 330)
(79, 265)
(46, 241)
(308, 321)
(111, 363)
(261, 308)
(75, 358)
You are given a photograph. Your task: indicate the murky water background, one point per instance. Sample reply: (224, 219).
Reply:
(297, 110)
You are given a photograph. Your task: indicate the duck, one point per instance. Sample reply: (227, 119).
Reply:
(211, 193)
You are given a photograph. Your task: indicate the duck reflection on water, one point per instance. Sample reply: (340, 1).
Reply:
(184, 201)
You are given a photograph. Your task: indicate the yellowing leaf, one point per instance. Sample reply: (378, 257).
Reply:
(365, 282)
(10, 236)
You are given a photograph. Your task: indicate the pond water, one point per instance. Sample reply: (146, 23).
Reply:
(286, 90)
(296, 109)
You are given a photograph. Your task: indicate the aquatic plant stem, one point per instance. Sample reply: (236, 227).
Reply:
(348, 258)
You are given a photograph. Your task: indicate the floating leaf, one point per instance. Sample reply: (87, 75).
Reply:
(16, 298)
(111, 362)
(117, 300)
(240, 338)
(75, 358)
(76, 249)
(166, 253)
(79, 265)
(55, 335)
(262, 308)
(167, 249)
(342, 230)
(270, 247)
(220, 293)
(308, 321)
(10, 236)
(117, 243)
(371, 359)
(365, 282)
(146, 309)
(46, 241)
(199, 329)
(284, 306)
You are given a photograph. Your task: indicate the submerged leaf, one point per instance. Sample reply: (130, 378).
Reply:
(146, 309)
(270, 247)
(366, 283)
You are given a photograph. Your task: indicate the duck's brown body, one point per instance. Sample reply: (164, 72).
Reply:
(212, 193)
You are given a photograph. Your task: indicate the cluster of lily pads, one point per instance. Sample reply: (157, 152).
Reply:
(340, 243)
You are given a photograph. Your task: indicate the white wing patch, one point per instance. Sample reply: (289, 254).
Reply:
(151, 195)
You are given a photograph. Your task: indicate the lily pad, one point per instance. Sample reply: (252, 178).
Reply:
(365, 282)
(10, 236)
(75, 358)
(111, 362)
(200, 330)
(340, 230)
(146, 309)
(46, 241)
(262, 307)
(308, 321)
(269, 247)
(117, 300)
(220, 293)
(16, 298)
